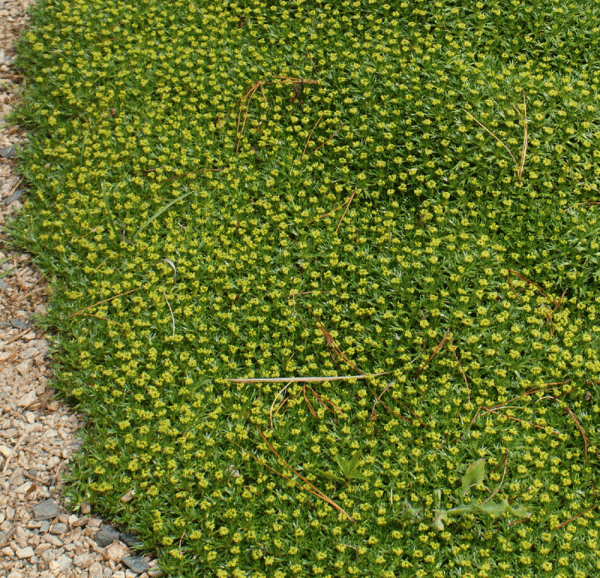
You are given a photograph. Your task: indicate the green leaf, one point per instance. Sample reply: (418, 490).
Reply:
(474, 475)
(159, 212)
(409, 513)
(438, 521)
(463, 509)
(494, 509)
(518, 512)
(356, 456)
(331, 476)
(349, 467)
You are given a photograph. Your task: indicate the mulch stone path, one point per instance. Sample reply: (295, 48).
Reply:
(39, 536)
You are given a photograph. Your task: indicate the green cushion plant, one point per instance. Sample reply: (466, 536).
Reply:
(314, 265)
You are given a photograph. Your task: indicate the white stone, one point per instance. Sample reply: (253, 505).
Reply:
(29, 352)
(116, 551)
(23, 488)
(61, 564)
(28, 398)
(83, 560)
(95, 570)
(23, 553)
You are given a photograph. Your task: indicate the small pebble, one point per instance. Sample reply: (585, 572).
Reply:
(23, 553)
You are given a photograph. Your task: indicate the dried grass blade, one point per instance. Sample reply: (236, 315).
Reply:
(303, 379)
(316, 491)
(525, 139)
(435, 352)
(491, 133)
(160, 212)
(308, 139)
(338, 130)
(104, 301)
(345, 211)
(585, 438)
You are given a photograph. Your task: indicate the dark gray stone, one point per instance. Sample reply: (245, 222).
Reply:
(106, 535)
(46, 510)
(18, 324)
(136, 564)
(14, 197)
(8, 152)
(131, 540)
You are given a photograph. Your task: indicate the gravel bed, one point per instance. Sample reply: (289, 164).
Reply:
(39, 536)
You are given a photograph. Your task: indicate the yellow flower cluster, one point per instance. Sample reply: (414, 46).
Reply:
(312, 259)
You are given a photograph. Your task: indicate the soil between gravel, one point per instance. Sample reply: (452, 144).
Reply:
(39, 536)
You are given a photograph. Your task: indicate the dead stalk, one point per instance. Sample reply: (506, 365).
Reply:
(453, 349)
(308, 139)
(435, 352)
(519, 166)
(345, 210)
(103, 301)
(315, 490)
(338, 130)
(303, 379)
(577, 516)
(585, 438)
(171, 310)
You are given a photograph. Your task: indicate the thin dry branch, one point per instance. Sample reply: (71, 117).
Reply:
(247, 97)
(171, 310)
(492, 410)
(321, 145)
(491, 133)
(577, 516)
(308, 139)
(316, 491)
(435, 352)
(303, 379)
(453, 350)
(104, 301)
(523, 278)
(512, 287)
(345, 211)
(501, 481)
(585, 438)
(13, 452)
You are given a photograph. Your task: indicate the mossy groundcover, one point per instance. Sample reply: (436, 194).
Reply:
(396, 200)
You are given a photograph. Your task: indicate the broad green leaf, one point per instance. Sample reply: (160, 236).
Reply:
(518, 512)
(460, 510)
(474, 475)
(492, 508)
(348, 467)
(331, 476)
(438, 524)
(410, 513)
(356, 456)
